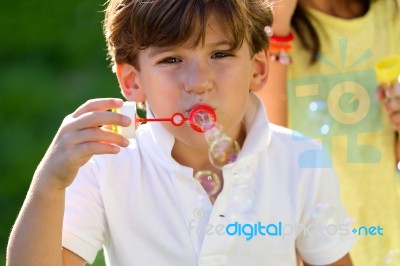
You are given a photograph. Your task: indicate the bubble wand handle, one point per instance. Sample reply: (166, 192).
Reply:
(177, 119)
(145, 120)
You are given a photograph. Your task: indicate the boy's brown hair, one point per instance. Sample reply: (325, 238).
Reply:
(132, 25)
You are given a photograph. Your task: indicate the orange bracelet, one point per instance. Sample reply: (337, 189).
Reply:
(280, 47)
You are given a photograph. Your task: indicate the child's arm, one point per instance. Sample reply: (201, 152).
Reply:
(274, 93)
(36, 235)
(345, 261)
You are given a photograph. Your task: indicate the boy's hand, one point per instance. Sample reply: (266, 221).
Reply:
(283, 11)
(79, 138)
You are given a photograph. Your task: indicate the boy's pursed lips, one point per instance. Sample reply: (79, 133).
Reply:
(189, 110)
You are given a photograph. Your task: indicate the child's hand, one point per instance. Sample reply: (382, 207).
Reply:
(79, 138)
(283, 11)
(390, 100)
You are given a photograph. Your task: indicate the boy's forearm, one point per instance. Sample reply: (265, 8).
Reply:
(36, 235)
(344, 261)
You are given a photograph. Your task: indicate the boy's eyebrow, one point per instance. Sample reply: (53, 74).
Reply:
(157, 50)
(219, 43)
(224, 45)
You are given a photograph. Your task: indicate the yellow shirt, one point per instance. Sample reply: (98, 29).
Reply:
(334, 101)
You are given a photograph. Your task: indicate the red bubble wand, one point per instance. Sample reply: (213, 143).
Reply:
(178, 119)
(201, 118)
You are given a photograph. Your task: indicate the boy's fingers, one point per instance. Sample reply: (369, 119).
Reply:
(108, 127)
(91, 148)
(96, 119)
(98, 105)
(101, 135)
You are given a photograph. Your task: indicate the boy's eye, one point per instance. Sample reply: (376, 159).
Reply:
(170, 60)
(221, 54)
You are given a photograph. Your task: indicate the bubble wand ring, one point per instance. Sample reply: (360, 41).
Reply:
(197, 110)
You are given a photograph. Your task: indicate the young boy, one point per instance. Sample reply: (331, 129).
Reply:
(139, 200)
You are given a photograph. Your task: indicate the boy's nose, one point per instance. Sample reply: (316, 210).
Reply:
(198, 79)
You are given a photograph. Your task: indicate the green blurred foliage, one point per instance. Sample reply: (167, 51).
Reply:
(52, 59)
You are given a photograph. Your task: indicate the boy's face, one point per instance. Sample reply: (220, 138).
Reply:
(175, 79)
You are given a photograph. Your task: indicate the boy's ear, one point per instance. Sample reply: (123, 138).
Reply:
(128, 81)
(260, 70)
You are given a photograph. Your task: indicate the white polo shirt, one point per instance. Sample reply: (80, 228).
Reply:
(147, 209)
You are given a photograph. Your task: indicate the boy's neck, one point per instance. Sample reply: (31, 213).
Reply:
(198, 159)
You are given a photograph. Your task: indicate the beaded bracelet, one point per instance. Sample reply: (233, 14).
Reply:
(280, 46)
(282, 57)
(281, 39)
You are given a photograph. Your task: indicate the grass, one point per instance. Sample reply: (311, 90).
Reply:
(3, 257)
(33, 113)
(99, 259)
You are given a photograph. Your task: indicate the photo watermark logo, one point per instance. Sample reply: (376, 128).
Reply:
(284, 230)
(281, 229)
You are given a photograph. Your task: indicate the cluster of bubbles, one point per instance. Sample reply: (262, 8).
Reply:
(223, 150)
(318, 112)
(324, 214)
(241, 195)
(328, 222)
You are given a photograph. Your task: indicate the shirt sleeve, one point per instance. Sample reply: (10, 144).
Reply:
(326, 233)
(84, 219)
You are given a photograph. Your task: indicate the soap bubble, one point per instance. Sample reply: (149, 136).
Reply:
(319, 114)
(214, 133)
(202, 118)
(324, 214)
(243, 176)
(209, 181)
(223, 151)
(241, 198)
(392, 258)
(326, 221)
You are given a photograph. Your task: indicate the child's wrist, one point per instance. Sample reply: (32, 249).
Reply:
(280, 47)
(43, 189)
(281, 29)
(46, 179)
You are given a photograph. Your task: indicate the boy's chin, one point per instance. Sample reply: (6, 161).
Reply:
(195, 141)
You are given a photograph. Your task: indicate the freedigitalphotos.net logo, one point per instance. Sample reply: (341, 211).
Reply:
(280, 229)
